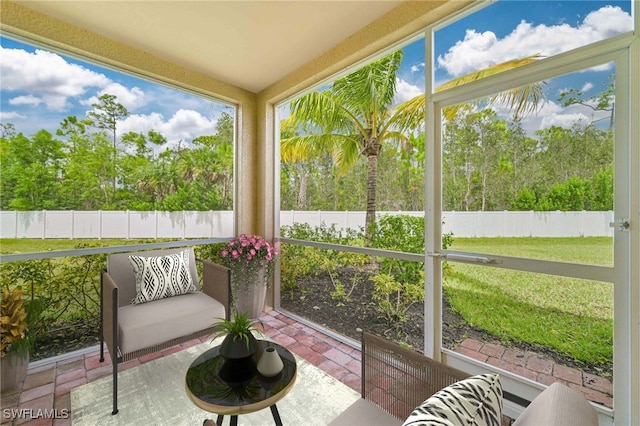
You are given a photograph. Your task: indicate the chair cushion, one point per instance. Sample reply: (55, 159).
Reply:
(148, 324)
(363, 412)
(473, 401)
(558, 405)
(158, 277)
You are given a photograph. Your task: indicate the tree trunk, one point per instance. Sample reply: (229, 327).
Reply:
(372, 151)
(302, 192)
(467, 194)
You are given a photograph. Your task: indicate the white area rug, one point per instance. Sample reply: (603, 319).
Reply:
(154, 394)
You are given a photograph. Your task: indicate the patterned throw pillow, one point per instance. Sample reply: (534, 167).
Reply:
(490, 410)
(161, 276)
(476, 401)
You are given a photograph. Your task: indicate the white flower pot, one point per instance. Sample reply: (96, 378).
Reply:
(249, 292)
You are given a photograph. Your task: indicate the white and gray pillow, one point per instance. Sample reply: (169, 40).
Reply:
(161, 276)
(476, 401)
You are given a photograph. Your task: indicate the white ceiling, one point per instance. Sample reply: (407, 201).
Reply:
(250, 44)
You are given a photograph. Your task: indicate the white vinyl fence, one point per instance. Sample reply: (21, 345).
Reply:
(115, 224)
(480, 224)
(219, 224)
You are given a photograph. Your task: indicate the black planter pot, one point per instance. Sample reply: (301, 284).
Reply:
(238, 348)
(237, 372)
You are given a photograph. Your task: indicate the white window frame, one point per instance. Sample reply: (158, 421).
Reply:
(623, 50)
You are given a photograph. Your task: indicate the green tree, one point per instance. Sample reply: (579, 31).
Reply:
(578, 151)
(525, 200)
(602, 101)
(572, 195)
(142, 143)
(224, 127)
(352, 118)
(602, 184)
(30, 171)
(105, 116)
(86, 177)
(7, 130)
(356, 116)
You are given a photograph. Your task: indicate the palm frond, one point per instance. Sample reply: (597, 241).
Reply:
(409, 115)
(324, 111)
(372, 86)
(521, 100)
(344, 149)
(492, 70)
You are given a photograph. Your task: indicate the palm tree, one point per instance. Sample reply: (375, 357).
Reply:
(356, 116)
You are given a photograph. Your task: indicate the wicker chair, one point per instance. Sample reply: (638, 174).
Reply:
(130, 331)
(395, 380)
(398, 379)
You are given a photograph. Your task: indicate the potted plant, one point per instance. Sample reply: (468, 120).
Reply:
(251, 259)
(239, 341)
(237, 348)
(15, 340)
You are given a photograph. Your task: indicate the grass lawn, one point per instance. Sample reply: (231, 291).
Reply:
(37, 245)
(573, 316)
(588, 250)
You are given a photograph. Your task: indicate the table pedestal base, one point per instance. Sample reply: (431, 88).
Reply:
(234, 418)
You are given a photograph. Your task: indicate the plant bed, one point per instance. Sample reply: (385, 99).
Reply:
(66, 336)
(312, 300)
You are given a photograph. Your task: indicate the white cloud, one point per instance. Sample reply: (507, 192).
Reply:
(183, 126)
(405, 91)
(10, 115)
(47, 74)
(587, 86)
(550, 113)
(131, 99)
(563, 120)
(480, 50)
(187, 124)
(417, 67)
(141, 123)
(25, 100)
(607, 22)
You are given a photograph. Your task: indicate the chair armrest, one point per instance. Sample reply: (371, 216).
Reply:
(216, 283)
(109, 314)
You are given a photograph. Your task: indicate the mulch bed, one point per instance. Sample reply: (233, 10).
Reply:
(312, 300)
(64, 337)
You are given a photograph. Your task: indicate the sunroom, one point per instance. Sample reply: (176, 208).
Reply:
(262, 56)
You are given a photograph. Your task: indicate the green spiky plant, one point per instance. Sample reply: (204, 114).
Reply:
(240, 327)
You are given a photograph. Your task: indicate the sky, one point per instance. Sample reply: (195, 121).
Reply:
(515, 29)
(38, 88)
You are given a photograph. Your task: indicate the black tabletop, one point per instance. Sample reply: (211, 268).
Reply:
(234, 386)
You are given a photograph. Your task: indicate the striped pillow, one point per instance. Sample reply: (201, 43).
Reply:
(476, 401)
(161, 276)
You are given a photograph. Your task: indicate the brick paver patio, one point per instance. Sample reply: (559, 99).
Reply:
(48, 387)
(535, 367)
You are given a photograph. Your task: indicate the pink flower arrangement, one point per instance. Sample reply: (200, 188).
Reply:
(248, 253)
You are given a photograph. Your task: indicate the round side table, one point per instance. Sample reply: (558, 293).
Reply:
(232, 387)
